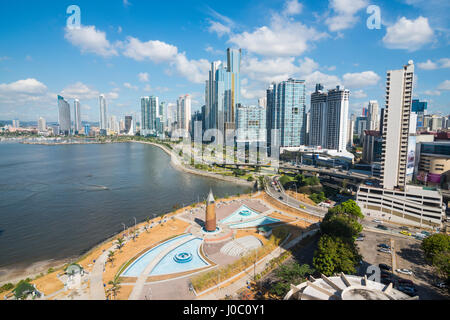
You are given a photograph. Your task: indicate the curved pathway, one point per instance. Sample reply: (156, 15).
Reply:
(140, 282)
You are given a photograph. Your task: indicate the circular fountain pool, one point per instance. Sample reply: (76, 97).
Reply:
(182, 257)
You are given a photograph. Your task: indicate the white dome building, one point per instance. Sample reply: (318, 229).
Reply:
(345, 287)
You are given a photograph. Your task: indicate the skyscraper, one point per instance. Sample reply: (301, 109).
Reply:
(222, 92)
(76, 116)
(250, 124)
(103, 118)
(318, 117)
(287, 112)
(184, 112)
(337, 117)
(42, 126)
(63, 116)
(372, 115)
(149, 111)
(128, 120)
(395, 156)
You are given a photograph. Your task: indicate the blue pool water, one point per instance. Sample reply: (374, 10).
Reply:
(168, 265)
(242, 214)
(254, 223)
(136, 268)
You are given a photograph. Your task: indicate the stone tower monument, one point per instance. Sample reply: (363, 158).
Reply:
(210, 219)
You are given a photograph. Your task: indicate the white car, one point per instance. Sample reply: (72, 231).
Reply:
(360, 239)
(404, 271)
(377, 221)
(384, 250)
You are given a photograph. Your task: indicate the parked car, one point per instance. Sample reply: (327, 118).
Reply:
(385, 280)
(384, 250)
(377, 221)
(441, 285)
(384, 266)
(360, 239)
(405, 282)
(380, 226)
(404, 228)
(383, 245)
(404, 271)
(408, 290)
(406, 233)
(362, 235)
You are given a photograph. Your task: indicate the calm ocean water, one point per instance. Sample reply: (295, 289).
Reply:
(58, 201)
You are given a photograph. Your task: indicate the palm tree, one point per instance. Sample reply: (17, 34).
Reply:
(115, 287)
(120, 243)
(147, 220)
(111, 257)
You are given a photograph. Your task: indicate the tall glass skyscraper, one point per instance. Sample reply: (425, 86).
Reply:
(222, 92)
(287, 112)
(250, 123)
(103, 118)
(76, 116)
(63, 116)
(149, 111)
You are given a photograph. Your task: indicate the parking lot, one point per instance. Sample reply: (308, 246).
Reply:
(408, 255)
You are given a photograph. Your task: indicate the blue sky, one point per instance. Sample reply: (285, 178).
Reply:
(128, 49)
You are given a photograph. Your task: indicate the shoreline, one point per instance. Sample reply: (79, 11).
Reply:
(178, 165)
(15, 274)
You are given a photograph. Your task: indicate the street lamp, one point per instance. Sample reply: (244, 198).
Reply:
(123, 227)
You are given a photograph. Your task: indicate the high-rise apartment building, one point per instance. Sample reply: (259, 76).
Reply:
(287, 112)
(337, 117)
(373, 121)
(318, 117)
(63, 116)
(42, 125)
(399, 84)
(250, 124)
(184, 113)
(76, 116)
(128, 123)
(149, 114)
(103, 117)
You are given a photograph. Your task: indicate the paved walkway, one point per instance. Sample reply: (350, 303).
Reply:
(96, 276)
(249, 272)
(140, 282)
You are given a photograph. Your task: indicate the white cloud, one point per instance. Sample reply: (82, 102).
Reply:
(80, 91)
(307, 66)
(292, 7)
(89, 39)
(27, 86)
(432, 92)
(269, 69)
(328, 81)
(213, 51)
(359, 94)
(344, 13)
(119, 29)
(428, 65)
(360, 79)
(143, 76)
(219, 28)
(282, 38)
(154, 50)
(147, 88)
(194, 70)
(4, 58)
(112, 95)
(126, 3)
(444, 85)
(408, 34)
(130, 86)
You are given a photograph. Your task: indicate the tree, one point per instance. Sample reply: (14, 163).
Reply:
(111, 257)
(437, 252)
(340, 225)
(334, 255)
(115, 287)
(349, 207)
(147, 221)
(435, 244)
(120, 243)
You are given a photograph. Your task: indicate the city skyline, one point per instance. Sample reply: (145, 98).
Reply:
(125, 63)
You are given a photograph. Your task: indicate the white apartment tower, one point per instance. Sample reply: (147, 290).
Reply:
(184, 112)
(373, 117)
(337, 117)
(103, 118)
(396, 121)
(76, 116)
(42, 125)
